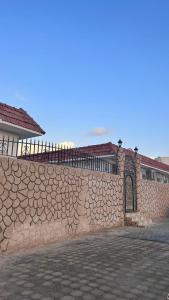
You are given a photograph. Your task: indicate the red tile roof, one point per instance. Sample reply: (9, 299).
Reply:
(154, 163)
(100, 149)
(19, 117)
(109, 148)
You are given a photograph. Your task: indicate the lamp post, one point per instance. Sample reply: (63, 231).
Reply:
(120, 143)
(136, 150)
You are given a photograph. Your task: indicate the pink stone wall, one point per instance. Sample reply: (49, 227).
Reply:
(42, 203)
(154, 199)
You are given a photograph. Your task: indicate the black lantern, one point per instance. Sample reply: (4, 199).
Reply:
(120, 143)
(136, 150)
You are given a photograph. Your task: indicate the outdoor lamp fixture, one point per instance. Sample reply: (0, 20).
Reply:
(120, 143)
(136, 150)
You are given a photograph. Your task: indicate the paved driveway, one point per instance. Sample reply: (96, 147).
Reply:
(126, 263)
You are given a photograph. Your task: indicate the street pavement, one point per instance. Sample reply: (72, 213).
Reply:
(125, 263)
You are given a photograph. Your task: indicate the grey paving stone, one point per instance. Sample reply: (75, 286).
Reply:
(47, 298)
(126, 263)
(89, 297)
(67, 298)
(77, 293)
(36, 296)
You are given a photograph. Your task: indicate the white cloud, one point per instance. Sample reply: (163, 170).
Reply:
(99, 131)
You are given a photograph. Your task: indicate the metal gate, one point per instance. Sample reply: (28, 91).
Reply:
(130, 185)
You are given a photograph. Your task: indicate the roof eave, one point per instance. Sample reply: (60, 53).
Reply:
(22, 132)
(154, 168)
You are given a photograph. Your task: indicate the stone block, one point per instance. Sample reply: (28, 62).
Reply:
(32, 178)
(11, 178)
(31, 186)
(44, 202)
(43, 217)
(32, 168)
(14, 166)
(1, 236)
(2, 177)
(42, 187)
(16, 203)
(9, 211)
(4, 245)
(17, 180)
(24, 203)
(8, 203)
(18, 210)
(30, 194)
(20, 196)
(50, 170)
(48, 189)
(24, 167)
(1, 189)
(40, 203)
(37, 195)
(14, 188)
(37, 181)
(13, 216)
(32, 211)
(3, 211)
(18, 173)
(41, 169)
(7, 221)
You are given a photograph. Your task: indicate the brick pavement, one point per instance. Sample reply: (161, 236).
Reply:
(125, 263)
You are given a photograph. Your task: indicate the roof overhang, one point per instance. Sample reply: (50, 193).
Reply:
(22, 132)
(154, 168)
(104, 156)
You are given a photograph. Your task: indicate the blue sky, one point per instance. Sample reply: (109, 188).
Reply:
(89, 71)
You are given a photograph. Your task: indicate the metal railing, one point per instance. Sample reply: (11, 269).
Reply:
(56, 154)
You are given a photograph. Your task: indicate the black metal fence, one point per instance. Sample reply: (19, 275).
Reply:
(56, 154)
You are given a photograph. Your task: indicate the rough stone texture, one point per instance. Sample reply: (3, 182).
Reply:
(120, 172)
(154, 199)
(41, 203)
(138, 179)
(121, 162)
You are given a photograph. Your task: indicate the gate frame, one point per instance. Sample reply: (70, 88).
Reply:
(134, 192)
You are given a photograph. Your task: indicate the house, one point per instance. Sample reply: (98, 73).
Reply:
(101, 157)
(16, 124)
(151, 169)
(163, 159)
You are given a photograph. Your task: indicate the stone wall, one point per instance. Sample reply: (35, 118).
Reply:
(42, 203)
(154, 199)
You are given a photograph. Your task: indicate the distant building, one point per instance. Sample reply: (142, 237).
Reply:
(164, 160)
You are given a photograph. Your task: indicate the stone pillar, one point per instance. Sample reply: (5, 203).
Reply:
(120, 172)
(138, 180)
(121, 162)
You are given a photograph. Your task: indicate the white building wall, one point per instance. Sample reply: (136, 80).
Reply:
(7, 147)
